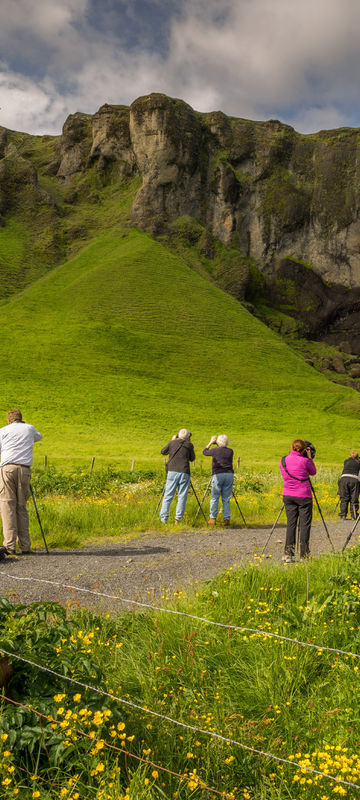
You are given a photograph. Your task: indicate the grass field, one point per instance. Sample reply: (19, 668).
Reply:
(115, 350)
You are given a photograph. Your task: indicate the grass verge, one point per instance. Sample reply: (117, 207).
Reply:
(292, 701)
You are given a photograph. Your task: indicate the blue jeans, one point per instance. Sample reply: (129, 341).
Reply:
(181, 482)
(221, 484)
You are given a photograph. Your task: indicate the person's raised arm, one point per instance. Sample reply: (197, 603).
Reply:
(37, 435)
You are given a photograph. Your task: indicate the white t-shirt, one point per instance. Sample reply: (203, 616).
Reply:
(16, 443)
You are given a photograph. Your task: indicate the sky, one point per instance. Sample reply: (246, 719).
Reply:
(293, 60)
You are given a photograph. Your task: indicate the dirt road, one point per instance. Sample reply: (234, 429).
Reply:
(142, 568)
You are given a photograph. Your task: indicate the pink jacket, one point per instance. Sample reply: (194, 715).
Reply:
(301, 467)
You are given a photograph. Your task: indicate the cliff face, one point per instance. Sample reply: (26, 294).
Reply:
(288, 202)
(273, 192)
(262, 186)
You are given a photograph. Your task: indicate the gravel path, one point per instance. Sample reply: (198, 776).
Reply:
(142, 568)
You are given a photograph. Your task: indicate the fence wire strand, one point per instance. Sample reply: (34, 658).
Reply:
(228, 626)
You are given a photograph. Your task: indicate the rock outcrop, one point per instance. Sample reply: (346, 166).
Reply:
(166, 137)
(75, 146)
(19, 184)
(111, 142)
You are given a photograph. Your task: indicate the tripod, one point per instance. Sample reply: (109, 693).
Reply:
(203, 498)
(38, 517)
(196, 498)
(273, 527)
(351, 532)
(320, 512)
(337, 503)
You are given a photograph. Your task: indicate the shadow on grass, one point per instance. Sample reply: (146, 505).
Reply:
(98, 551)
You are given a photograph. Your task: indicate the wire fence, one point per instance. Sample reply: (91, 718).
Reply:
(226, 625)
(179, 723)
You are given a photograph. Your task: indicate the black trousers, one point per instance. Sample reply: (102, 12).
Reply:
(298, 508)
(349, 493)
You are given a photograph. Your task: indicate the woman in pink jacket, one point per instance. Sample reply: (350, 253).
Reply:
(296, 469)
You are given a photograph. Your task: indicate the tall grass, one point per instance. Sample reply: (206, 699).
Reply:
(271, 695)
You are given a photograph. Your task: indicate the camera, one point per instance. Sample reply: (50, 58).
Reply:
(312, 448)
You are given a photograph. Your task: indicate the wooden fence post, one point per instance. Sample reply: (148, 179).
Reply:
(132, 465)
(92, 464)
(45, 462)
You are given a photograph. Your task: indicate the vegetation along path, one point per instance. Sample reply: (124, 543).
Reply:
(151, 567)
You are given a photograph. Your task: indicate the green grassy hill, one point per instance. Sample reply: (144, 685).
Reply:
(110, 353)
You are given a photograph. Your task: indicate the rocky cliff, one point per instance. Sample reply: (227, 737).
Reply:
(288, 203)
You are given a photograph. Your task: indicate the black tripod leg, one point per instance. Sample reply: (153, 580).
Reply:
(273, 527)
(351, 533)
(198, 502)
(240, 512)
(320, 512)
(298, 536)
(202, 500)
(161, 497)
(338, 501)
(39, 520)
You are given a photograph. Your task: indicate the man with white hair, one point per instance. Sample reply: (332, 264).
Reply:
(16, 450)
(180, 451)
(222, 476)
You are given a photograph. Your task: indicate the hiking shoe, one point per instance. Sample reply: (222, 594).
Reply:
(226, 522)
(288, 559)
(212, 521)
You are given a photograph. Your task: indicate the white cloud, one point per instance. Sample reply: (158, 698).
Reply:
(29, 107)
(252, 58)
(50, 19)
(268, 56)
(309, 120)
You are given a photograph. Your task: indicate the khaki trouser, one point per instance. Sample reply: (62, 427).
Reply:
(14, 493)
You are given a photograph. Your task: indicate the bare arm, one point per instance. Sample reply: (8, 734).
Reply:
(212, 441)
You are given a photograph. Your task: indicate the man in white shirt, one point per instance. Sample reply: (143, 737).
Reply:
(16, 451)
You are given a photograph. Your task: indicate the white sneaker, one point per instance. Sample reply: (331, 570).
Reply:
(288, 559)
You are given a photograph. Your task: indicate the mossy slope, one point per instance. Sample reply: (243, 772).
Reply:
(115, 350)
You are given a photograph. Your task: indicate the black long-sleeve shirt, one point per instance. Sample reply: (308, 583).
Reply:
(222, 459)
(351, 467)
(180, 452)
